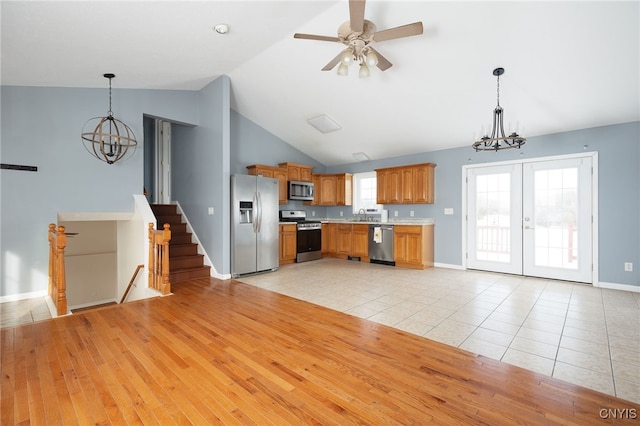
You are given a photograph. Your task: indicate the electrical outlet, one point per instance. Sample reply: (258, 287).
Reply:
(313, 213)
(395, 213)
(628, 267)
(411, 213)
(341, 214)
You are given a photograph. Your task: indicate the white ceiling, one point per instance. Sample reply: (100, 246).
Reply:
(569, 65)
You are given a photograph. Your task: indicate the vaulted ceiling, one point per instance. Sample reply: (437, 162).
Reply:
(569, 65)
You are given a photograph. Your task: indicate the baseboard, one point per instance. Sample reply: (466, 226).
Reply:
(95, 303)
(23, 296)
(448, 266)
(616, 286)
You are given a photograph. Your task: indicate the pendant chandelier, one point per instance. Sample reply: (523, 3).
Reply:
(107, 138)
(498, 140)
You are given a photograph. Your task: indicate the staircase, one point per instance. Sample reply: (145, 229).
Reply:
(185, 263)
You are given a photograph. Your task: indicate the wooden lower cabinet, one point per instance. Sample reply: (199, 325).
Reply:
(345, 240)
(360, 241)
(287, 244)
(329, 246)
(413, 246)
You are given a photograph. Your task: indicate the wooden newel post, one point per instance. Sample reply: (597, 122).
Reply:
(159, 269)
(57, 277)
(166, 237)
(152, 256)
(61, 243)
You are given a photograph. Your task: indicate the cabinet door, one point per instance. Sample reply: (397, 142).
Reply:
(328, 189)
(293, 172)
(287, 243)
(381, 187)
(281, 175)
(344, 239)
(414, 248)
(423, 183)
(340, 194)
(360, 241)
(394, 183)
(305, 174)
(407, 185)
(399, 245)
(329, 238)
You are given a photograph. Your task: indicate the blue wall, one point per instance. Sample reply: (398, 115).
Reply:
(41, 127)
(200, 171)
(618, 148)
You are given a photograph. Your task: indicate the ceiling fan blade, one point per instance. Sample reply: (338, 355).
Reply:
(315, 37)
(356, 15)
(333, 63)
(398, 32)
(383, 63)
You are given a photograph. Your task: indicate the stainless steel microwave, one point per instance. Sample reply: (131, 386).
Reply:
(299, 190)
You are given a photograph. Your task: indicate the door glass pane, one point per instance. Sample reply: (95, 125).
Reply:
(556, 218)
(493, 217)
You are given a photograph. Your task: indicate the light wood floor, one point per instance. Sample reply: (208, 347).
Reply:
(227, 352)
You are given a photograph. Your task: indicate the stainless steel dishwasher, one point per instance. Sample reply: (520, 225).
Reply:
(381, 244)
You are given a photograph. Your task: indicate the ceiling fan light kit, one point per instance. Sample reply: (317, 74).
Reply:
(498, 140)
(357, 34)
(107, 138)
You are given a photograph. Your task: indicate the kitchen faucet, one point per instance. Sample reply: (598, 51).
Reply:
(362, 212)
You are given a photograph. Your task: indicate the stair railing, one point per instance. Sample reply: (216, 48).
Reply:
(159, 259)
(133, 279)
(57, 276)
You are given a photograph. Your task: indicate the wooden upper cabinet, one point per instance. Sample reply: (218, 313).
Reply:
(328, 190)
(299, 172)
(381, 187)
(279, 173)
(413, 184)
(406, 185)
(423, 183)
(333, 189)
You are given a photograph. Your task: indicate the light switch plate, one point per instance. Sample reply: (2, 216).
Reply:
(210, 210)
(448, 210)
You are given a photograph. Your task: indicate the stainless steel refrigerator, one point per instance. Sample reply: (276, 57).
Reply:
(254, 224)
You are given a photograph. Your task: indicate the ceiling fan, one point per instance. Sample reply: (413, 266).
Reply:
(357, 34)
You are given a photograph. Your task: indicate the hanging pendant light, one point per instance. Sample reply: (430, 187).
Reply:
(498, 140)
(107, 138)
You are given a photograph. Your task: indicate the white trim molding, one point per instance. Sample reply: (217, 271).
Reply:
(616, 286)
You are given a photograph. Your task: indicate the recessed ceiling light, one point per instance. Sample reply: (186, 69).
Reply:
(324, 124)
(221, 28)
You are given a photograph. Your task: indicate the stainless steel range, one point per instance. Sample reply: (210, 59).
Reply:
(308, 235)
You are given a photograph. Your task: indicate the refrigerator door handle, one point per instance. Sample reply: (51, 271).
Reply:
(259, 212)
(255, 213)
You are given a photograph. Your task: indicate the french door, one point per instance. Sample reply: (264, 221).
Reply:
(532, 218)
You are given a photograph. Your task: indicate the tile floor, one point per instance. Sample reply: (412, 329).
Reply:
(23, 312)
(581, 334)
